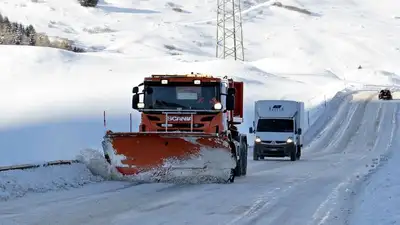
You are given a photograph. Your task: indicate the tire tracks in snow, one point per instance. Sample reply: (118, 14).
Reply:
(328, 212)
(342, 129)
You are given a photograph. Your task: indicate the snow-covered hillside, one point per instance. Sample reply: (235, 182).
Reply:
(53, 100)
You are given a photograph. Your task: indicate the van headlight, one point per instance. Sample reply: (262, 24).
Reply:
(258, 140)
(289, 140)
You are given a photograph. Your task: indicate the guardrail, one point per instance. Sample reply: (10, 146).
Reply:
(32, 166)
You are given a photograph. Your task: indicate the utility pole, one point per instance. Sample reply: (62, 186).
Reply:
(229, 30)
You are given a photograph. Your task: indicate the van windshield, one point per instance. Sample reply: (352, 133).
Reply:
(275, 125)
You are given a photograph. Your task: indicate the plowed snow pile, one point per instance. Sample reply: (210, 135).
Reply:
(18, 183)
(169, 173)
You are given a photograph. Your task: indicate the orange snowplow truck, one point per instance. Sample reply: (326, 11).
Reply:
(187, 129)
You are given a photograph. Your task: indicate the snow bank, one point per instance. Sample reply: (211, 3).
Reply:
(369, 195)
(18, 183)
(379, 197)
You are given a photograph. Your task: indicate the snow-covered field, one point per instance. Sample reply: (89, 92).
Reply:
(53, 102)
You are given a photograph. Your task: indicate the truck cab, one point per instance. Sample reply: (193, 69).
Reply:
(278, 128)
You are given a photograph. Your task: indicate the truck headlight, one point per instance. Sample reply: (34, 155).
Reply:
(140, 105)
(217, 106)
(289, 140)
(258, 140)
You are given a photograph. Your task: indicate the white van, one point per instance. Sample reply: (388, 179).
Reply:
(278, 128)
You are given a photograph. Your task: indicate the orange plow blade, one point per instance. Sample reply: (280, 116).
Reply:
(168, 156)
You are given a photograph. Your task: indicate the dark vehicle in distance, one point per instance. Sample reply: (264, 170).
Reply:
(385, 94)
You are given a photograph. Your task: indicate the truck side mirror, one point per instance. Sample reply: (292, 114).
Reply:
(149, 90)
(230, 102)
(135, 90)
(299, 131)
(135, 101)
(250, 130)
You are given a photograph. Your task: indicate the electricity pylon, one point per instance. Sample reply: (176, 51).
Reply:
(229, 30)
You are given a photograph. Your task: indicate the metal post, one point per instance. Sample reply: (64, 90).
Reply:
(229, 30)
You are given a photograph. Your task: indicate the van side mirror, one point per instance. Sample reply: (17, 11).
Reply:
(135, 101)
(135, 90)
(230, 102)
(250, 130)
(299, 131)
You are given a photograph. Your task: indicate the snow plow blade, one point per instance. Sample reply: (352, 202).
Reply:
(166, 156)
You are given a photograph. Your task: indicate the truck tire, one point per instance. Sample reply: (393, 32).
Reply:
(238, 169)
(107, 157)
(243, 155)
(231, 179)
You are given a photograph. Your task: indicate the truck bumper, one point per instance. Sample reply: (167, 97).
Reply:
(265, 150)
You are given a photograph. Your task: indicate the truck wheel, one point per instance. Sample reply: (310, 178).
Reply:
(298, 154)
(293, 155)
(107, 157)
(238, 169)
(231, 178)
(243, 155)
(232, 175)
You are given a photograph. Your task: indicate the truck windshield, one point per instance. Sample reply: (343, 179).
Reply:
(275, 125)
(182, 97)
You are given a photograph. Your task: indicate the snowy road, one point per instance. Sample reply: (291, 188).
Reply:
(275, 191)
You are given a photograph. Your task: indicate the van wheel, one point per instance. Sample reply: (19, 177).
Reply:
(298, 154)
(293, 155)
